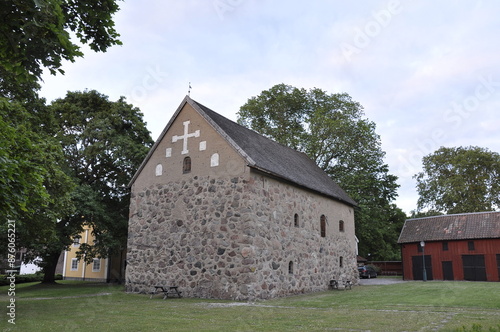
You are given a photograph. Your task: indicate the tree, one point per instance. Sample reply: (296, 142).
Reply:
(37, 34)
(103, 143)
(331, 129)
(35, 190)
(459, 180)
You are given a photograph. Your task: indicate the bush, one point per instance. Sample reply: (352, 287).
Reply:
(22, 278)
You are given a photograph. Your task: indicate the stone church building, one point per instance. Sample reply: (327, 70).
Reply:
(225, 213)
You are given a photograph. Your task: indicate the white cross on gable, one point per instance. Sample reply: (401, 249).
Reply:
(185, 137)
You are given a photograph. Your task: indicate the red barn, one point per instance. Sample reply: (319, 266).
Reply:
(455, 247)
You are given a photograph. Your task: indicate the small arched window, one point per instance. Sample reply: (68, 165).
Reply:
(290, 267)
(186, 165)
(322, 222)
(296, 220)
(341, 225)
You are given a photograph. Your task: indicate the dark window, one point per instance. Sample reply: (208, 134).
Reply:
(471, 245)
(290, 267)
(186, 165)
(445, 246)
(296, 220)
(322, 222)
(341, 225)
(419, 247)
(341, 261)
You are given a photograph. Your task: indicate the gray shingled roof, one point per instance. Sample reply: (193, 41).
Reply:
(275, 159)
(264, 155)
(481, 225)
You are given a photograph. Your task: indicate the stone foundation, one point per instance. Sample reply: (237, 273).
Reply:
(236, 239)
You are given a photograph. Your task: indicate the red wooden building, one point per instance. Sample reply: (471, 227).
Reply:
(455, 247)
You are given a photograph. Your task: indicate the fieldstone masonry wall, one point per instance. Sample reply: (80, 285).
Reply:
(236, 239)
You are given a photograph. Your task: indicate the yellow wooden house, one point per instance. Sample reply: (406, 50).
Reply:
(101, 269)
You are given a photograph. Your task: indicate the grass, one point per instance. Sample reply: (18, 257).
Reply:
(412, 306)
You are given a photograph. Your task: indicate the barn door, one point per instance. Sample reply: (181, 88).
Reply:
(417, 267)
(447, 270)
(474, 268)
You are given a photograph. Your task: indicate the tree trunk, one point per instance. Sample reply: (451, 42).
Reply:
(49, 267)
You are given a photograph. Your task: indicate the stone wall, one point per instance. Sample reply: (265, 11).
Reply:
(235, 238)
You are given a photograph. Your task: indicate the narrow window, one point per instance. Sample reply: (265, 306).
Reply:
(96, 266)
(296, 220)
(341, 261)
(290, 267)
(76, 241)
(74, 264)
(471, 245)
(419, 247)
(322, 222)
(445, 246)
(186, 165)
(341, 225)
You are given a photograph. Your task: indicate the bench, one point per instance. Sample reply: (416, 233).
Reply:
(166, 291)
(334, 284)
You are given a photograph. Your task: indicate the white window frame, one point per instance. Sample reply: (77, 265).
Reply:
(97, 261)
(74, 264)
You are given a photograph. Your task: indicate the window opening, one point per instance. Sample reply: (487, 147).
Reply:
(74, 264)
(322, 222)
(186, 165)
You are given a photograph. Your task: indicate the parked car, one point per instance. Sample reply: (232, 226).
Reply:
(367, 272)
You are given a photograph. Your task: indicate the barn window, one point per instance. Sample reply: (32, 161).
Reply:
(341, 225)
(186, 165)
(471, 245)
(296, 220)
(322, 222)
(290, 267)
(419, 247)
(445, 246)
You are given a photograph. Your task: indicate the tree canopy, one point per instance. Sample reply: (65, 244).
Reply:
(38, 34)
(331, 130)
(103, 144)
(459, 180)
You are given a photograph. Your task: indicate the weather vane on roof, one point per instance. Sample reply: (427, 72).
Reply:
(189, 90)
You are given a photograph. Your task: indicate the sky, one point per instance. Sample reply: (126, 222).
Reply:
(426, 72)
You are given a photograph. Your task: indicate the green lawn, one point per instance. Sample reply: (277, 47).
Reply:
(412, 306)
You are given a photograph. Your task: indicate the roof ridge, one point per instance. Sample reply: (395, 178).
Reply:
(453, 214)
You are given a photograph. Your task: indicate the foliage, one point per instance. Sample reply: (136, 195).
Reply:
(104, 143)
(38, 34)
(459, 180)
(331, 130)
(24, 278)
(35, 191)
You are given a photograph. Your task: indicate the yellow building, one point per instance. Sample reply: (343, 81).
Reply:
(101, 269)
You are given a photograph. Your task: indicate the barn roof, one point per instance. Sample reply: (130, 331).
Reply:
(265, 155)
(465, 226)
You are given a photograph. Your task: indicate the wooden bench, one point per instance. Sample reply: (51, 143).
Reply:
(166, 291)
(334, 284)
